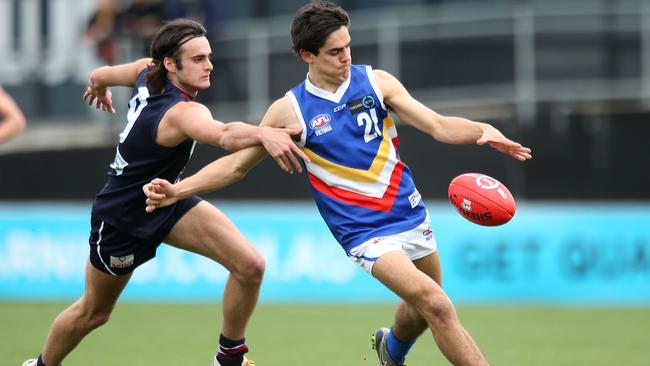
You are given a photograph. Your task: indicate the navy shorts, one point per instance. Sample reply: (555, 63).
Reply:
(117, 253)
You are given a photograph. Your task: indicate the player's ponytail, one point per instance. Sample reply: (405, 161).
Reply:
(167, 43)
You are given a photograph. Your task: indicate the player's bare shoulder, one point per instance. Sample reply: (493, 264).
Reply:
(184, 111)
(387, 83)
(281, 114)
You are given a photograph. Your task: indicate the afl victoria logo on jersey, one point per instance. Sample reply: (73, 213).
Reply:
(321, 124)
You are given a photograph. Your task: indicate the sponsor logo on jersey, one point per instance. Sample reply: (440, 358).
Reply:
(321, 124)
(339, 107)
(122, 262)
(361, 104)
(368, 101)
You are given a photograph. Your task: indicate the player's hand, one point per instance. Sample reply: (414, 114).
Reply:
(160, 193)
(103, 98)
(495, 138)
(279, 142)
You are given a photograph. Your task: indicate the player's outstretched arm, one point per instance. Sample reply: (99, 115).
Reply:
(224, 171)
(195, 121)
(214, 176)
(447, 129)
(12, 119)
(106, 76)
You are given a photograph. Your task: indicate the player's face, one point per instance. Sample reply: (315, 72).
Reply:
(195, 58)
(334, 58)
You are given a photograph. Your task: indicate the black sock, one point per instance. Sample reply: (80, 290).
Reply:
(231, 352)
(40, 362)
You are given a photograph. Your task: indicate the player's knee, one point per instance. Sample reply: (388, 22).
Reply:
(438, 308)
(98, 319)
(94, 318)
(251, 270)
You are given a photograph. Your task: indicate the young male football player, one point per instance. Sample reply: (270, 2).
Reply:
(363, 191)
(163, 123)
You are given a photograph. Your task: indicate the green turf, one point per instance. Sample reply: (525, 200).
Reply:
(332, 335)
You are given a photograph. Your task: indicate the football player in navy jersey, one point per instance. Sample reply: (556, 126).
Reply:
(12, 120)
(163, 123)
(363, 190)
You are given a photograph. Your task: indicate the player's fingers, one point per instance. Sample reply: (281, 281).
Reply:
(520, 156)
(282, 164)
(155, 195)
(287, 163)
(152, 202)
(152, 191)
(301, 154)
(109, 106)
(294, 160)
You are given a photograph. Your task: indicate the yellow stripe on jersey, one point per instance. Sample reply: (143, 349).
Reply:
(365, 176)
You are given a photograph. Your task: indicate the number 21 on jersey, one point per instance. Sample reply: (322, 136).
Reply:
(371, 124)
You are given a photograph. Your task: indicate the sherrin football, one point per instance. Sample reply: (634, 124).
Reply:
(481, 199)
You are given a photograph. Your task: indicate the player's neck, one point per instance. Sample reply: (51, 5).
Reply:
(323, 82)
(189, 91)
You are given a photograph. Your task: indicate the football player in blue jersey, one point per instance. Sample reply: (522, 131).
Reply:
(12, 120)
(362, 189)
(163, 123)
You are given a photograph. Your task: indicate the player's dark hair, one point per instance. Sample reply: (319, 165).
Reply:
(313, 23)
(167, 43)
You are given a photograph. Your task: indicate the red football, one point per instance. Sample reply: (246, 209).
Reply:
(481, 199)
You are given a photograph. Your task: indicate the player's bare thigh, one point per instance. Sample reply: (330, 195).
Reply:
(397, 272)
(207, 231)
(102, 290)
(430, 265)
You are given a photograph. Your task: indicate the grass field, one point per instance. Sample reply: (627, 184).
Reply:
(285, 335)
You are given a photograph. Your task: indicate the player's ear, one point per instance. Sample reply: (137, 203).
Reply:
(169, 64)
(307, 56)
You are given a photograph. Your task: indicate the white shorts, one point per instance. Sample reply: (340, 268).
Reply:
(415, 243)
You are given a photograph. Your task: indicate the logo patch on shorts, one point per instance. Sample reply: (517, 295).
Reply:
(428, 234)
(122, 262)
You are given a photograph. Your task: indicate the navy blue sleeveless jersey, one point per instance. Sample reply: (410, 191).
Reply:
(138, 160)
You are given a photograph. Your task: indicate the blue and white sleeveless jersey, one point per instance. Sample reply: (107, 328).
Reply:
(139, 159)
(361, 187)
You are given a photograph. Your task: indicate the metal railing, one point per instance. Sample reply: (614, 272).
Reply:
(44, 44)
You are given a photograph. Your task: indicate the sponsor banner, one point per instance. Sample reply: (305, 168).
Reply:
(582, 254)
